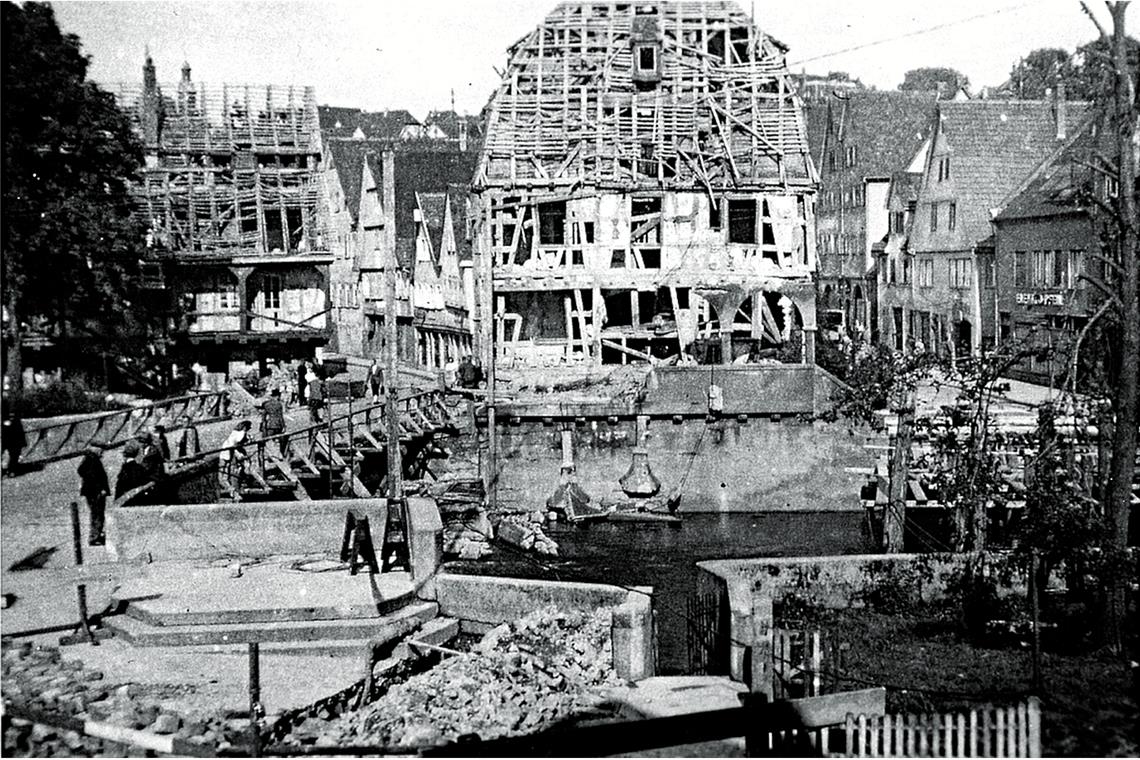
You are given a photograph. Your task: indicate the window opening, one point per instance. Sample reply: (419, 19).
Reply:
(742, 221)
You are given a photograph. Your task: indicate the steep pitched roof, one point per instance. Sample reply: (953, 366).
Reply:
(995, 145)
(429, 171)
(433, 206)
(457, 195)
(348, 161)
(886, 126)
(1055, 189)
(709, 102)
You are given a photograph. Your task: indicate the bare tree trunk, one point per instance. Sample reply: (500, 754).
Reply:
(894, 520)
(1122, 468)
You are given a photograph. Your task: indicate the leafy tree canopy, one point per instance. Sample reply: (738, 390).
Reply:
(71, 247)
(1086, 74)
(932, 77)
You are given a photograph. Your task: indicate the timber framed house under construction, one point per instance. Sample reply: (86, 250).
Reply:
(645, 192)
(230, 192)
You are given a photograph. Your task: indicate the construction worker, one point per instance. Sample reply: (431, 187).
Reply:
(231, 461)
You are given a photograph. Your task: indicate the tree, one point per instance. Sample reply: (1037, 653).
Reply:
(71, 247)
(1035, 74)
(1093, 73)
(932, 78)
(1119, 217)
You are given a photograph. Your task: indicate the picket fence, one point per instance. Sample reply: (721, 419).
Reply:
(986, 731)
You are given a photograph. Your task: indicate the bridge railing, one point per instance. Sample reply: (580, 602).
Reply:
(51, 441)
(261, 452)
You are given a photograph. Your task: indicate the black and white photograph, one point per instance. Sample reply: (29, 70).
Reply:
(570, 378)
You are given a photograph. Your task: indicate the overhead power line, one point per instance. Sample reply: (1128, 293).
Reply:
(915, 33)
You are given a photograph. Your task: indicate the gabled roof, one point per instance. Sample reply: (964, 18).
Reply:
(429, 171)
(995, 145)
(433, 206)
(374, 125)
(457, 195)
(1055, 188)
(348, 161)
(709, 103)
(886, 126)
(449, 122)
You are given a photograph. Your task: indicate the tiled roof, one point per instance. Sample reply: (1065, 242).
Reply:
(815, 124)
(375, 125)
(457, 195)
(1053, 190)
(995, 145)
(887, 127)
(449, 122)
(434, 209)
(426, 172)
(348, 161)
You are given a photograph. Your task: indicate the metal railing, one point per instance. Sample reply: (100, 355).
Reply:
(52, 441)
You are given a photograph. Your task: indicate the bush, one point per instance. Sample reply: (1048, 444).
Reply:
(72, 396)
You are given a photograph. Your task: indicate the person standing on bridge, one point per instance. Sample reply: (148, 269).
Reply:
(302, 382)
(375, 381)
(94, 488)
(12, 437)
(231, 461)
(316, 388)
(273, 418)
(188, 444)
(131, 474)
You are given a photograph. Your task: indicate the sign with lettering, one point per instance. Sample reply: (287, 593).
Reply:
(1041, 299)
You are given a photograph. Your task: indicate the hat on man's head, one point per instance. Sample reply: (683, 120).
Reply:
(131, 450)
(243, 425)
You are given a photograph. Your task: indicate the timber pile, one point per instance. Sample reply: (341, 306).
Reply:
(525, 532)
(521, 678)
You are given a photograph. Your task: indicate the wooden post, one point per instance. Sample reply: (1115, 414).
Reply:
(391, 371)
(1034, 723)
(83, 630)
(254, 700)
(894, 519)
(491, 486)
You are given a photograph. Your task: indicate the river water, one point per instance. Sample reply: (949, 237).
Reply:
(665, 557)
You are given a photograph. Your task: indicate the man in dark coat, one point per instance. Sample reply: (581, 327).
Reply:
(188, 444)
(273, 418)
(302, 382)
(12, 436)
(93, 487)
(131, 474)
(467, 373)
(161, 441)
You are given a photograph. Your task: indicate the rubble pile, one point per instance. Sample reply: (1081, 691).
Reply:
(39, 679)
(466, 530)
(521, 678)
(525, 532)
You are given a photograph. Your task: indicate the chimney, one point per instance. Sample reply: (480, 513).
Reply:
(1059, 109)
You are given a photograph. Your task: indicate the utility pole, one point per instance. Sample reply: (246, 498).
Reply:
(391, 364)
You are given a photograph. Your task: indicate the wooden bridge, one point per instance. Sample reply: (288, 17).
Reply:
(59, 440)
(344, 456)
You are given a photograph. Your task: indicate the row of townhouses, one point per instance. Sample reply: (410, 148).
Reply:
(271, 221)
(644, 191)
(953, 224)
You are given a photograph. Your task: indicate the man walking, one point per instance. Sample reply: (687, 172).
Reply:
(316, 395)
(273, 418)
(94, 488)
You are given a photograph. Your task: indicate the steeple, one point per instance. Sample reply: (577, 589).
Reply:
(150, 78)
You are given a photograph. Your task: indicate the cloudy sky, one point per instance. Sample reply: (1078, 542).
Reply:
(400, 54)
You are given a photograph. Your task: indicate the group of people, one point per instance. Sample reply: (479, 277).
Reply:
(469, 374)
(144, 461)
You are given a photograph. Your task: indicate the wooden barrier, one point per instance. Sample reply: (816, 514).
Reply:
(60, 440)
(986, 731)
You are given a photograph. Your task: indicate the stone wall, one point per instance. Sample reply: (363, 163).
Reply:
(483, 602)
(757, 465)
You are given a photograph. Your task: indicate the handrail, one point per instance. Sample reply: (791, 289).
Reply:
(318, 427)
(61, 440)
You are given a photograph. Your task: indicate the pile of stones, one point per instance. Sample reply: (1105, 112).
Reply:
(40, 680)
(544, 669)
(525, 531)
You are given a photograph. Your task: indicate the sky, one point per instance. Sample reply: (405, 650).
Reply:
(414, 55)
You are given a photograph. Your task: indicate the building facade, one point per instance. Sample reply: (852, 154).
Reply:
(231, 193)
(869, 136)
(645, 192)
(981, 152)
